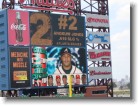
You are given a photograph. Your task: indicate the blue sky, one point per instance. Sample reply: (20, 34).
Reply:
(119, 15)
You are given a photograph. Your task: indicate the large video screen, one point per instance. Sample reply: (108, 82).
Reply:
(57, 44)
(52, 66)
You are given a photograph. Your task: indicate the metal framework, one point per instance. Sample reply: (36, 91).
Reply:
(81, 8)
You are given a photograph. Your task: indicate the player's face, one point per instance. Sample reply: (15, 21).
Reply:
(58, 80)
(50, 81)
(84, 79)
(77, 81)
(66, 60)
(65, 80)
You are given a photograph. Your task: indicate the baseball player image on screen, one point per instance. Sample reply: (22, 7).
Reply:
(67, 67)
(58, 80)
(83, 79)
(64, 79)
(50, 80)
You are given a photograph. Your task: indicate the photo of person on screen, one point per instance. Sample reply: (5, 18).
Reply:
(64, 79)
(83, 79)
(77, 82)
(67, 67)
(58, 80)
(50, 80)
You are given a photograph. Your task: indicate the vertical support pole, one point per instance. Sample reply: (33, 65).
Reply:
(70, 86)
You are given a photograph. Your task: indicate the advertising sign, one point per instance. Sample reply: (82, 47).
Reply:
(97, 20)
(100, 72)
(99, 55)
(18, 27)
(65, 6)
(51, 66)
(39, 67)
(98, 37)
(19, 67)
(68, 30)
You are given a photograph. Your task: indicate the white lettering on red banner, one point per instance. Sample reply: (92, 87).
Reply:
(51, 4)
(99, 55)
(18, 27)
(94, 55)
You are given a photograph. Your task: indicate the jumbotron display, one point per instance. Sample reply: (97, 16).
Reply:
(56, 47)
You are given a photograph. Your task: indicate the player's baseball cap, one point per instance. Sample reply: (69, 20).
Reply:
(58, 77)
(64, 76)
(50, 76)
(72, 76)
(65, 50)
(83, 75)
(77, 76)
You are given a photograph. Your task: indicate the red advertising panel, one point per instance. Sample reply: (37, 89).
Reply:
(18, 27)
(99, 55)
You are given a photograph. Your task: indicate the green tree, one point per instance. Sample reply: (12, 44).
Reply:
(121, 87)
(128, 85)
(114, 85)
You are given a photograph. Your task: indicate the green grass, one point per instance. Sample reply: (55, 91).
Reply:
(117, 92)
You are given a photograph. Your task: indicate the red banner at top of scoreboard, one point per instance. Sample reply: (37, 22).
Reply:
(66, 6)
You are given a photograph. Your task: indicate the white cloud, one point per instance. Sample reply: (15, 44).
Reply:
(121, 8)
(120, 50)
(123, 14)
(121, 36)
(120, 61)
(118, 2)
(124, 47)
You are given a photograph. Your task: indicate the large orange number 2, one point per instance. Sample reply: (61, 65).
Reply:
(72, 25)
(42, 29)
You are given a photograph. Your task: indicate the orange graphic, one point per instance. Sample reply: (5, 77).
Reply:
(19, 75)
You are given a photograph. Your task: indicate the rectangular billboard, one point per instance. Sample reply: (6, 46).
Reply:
(97, 20)
(98, 37)
(19, 67)
(18, 27)
(99, 55)
(57, 30)
(100, 72)
(52, 66)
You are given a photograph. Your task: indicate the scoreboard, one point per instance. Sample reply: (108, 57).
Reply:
(35, 42)
(40, 50)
